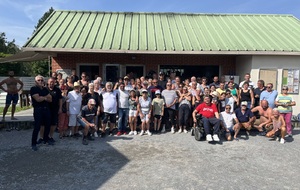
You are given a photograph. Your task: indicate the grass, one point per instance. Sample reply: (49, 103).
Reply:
(18, 108)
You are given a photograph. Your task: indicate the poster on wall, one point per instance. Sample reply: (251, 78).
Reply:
(290, 78)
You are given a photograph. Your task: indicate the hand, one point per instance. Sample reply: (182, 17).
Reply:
(195, 120)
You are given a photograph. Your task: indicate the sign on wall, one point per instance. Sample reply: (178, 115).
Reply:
(290, 78)
(269, 76)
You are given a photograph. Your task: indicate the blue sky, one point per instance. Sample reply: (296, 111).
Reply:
(18, 17)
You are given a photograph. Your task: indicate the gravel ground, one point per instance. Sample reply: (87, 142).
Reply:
(165, 161)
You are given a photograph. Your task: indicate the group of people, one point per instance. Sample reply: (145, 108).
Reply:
(79, 107)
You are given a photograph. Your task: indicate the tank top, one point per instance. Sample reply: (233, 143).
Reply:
(245, 96)
(276, 124)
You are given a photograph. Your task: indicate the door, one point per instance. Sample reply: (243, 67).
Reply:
(111, 73)
(92, 71)
(135, 71)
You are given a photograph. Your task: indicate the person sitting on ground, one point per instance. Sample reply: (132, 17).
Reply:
(87, 119)
(228, 118)
(279, 128)
(210, 117)
(264, 112)
(158, 110)
(12, 93)
(245, 117)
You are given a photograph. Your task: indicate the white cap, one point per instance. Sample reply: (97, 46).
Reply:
(157, 92)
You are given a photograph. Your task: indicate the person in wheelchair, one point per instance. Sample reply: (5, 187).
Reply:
(210, 118)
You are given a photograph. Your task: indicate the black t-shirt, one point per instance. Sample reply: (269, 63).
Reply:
(162, 83)
(56, 96)
(75, 78)
(257, 91)
(41, 92)
(88, 114)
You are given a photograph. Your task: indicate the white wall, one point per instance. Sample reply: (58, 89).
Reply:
(269, 62)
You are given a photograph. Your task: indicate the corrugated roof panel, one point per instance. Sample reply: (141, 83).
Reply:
(159, 32)
(134, 38)
(167, 33)
(151, 32)
(93, 33)
(116, 41)
(99, 40)
(159, 36)
(126, 32)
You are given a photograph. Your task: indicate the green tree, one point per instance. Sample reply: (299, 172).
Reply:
(44, 17)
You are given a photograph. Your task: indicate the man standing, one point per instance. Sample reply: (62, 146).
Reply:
(110, 103)
(74, 101)
(270, 95)
(74, 77)
(257, 91)
(215, 82)
(231, 79)
(247, 79)
(123, 108)
(210, 117)
(12, 93)
(170, 97)
(153, 88)
(41, 112)
(87, 119)
(161, 80)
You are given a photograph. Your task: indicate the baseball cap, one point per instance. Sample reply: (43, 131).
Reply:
(144, 90)
(231, 77)
(126, 77)
(76, 84)
(244, 103)
(157, 92)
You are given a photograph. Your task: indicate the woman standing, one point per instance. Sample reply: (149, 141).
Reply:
(144, 109)
(184, 109)
(133, 102)
(284, 101)
(246, 94)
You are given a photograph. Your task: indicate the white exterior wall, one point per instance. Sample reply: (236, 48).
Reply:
(269, 62)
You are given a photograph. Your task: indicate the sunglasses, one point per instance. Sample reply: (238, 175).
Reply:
(269, 87)
(284, 89)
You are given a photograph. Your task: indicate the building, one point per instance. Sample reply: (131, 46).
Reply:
(113, 44)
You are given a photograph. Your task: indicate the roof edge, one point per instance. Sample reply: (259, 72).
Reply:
(64, 50)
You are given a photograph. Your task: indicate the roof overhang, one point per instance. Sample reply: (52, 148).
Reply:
(27, 56)
(212, 52)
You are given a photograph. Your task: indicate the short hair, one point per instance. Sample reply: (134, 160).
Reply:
(38, 76)
(108, 84)
(262, 82)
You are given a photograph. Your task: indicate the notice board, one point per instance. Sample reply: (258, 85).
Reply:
(290, 78)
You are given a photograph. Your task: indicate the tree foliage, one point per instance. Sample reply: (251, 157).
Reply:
(44, 17)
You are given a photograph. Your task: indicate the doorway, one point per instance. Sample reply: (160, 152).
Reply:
(92, 71)
(135, 71)
(111, 73)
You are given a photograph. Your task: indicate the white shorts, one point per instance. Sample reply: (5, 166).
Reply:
(132, 113)
(73, 120)
(146, 117)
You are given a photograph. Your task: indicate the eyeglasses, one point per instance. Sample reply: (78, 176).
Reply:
(269, 86)
(40, 80)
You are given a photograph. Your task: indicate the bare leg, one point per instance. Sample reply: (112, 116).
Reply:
(13, 109)
(283, 132)
(5, 111)
(155, 124)
(42, 129)
(158, 125)
(236, 129)
(52, 129)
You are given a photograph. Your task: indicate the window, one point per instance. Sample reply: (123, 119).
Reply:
(269, 76)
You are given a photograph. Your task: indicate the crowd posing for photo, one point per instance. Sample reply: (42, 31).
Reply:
(81, 107)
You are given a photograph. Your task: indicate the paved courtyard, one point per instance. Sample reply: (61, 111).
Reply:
(165, 161)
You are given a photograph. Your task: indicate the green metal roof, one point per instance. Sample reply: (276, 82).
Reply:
(129, 32)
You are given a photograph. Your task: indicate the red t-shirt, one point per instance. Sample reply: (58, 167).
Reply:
(207, 111)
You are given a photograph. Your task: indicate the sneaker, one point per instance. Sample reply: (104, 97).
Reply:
(290, 135)
(134, 132)
(84, 141)
(247, 133)
(52, 140)
(149, 133)
(34, 147)
(282, 141)
(172, 130)
(215, 137)
(77, 135)
(131, 133)
(91, 138)
(277, 139)
(163, 129)
(40, 141)
(185, 131)
(95, 134)
(142, 132)
(179, 131)
(49, 142)
(262, 133)
(208, 138)
(119, 133)
(80, 133)
(124, 133)
(111, 133)
(102, 134)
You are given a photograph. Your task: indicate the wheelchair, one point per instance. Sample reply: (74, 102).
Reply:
(198, 130)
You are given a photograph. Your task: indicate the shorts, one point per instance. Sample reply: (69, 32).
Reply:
(132, 113)
(54, 117)
(81, 122)
(73, 120)
(12, 97)
(112, 118)
(231, 131)
(158, 116)
(146, 117)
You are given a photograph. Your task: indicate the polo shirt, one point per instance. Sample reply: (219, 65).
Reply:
(243, 117)
(270, 97)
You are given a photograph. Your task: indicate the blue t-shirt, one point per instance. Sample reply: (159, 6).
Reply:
(270, 97)
(243, 117)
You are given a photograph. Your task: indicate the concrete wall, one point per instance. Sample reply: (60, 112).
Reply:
(271, 62)
(243, 65)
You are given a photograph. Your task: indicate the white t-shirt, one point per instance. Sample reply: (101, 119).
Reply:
(230, 101)
(145, 104)
(74, 100)
(110, 102)
(227, 119)
(123, 98)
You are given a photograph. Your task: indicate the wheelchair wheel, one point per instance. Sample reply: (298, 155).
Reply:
(193, 131)
(198, 134)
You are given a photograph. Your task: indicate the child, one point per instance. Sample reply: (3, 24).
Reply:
(133, 101)
(158, 110)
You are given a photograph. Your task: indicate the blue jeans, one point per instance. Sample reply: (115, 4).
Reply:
(211, 122)
(41, 116)
(123, 118)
